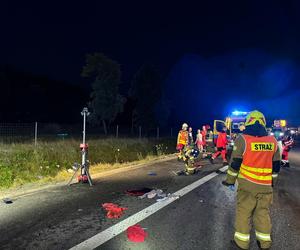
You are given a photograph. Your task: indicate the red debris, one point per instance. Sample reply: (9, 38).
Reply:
(138, 192)
(113, 210)
(136, 233)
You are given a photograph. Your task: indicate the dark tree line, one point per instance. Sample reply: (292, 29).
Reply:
(148, 107)
(27, 97)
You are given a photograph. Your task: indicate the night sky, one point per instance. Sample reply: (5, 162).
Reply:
(52, 38)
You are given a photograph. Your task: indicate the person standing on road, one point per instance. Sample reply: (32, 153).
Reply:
(190, 137)
(204, 132)
(182, 140)
(221, 147)
(287, 144)
(255, 163)
(199, 141)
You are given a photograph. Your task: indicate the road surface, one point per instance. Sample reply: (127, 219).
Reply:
(202, 217)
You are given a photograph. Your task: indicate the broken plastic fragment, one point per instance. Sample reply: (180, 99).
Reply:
(136, 233)
(113, 210)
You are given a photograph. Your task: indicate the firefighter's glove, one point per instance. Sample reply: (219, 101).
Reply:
(230, 186)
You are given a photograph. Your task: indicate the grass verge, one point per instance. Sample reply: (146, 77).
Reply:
(49, 161)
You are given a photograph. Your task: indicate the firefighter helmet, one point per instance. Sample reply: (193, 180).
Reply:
(255, 116)
(184, 125)
(195, 152)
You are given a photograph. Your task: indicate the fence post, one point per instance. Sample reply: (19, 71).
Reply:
(157, 133)
(117, 132)
(140, 132)
(35, 134)
(171, 132)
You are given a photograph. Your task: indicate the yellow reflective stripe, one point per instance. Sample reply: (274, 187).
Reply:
(240, 176)
(264, 237)
(258, 170)
(242, 237)
(190, 168)
(231, 173)
(256, 177)
(274, 175)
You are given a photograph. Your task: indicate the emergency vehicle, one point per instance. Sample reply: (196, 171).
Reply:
(234, 124)
(278, 129)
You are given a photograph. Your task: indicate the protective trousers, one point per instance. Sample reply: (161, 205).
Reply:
(222, 152)
(189, 166)
(251, 204)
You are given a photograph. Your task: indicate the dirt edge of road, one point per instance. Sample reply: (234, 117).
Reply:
(32, 188)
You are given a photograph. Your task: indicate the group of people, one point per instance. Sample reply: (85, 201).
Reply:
(186, 137)
(255, 164)
(188, 149)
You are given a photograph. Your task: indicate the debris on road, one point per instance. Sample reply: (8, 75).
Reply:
(153, 193)
(138, 192)
(7, 201)
(113, 210)
(169, 196)
(136, 233)
(152, 173)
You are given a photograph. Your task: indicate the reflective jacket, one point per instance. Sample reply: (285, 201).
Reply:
(182, 137)
(257, 161)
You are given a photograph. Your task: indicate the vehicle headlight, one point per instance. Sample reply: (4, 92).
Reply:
(281, 134)
(292, 132)
(272, 133)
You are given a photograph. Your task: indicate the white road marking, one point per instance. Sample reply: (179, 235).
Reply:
(106, 235)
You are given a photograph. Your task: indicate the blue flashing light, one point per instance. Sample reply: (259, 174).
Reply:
(239, 113)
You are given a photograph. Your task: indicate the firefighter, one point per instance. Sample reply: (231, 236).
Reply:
(221, 147)
(182, 140)
(190, 153)
(255, 163)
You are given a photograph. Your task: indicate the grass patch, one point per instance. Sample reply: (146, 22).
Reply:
(25, 163)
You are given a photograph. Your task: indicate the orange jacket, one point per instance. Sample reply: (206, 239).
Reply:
(258, 158)
(182, 137)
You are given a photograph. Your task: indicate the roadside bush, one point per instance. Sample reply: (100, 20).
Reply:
(6, 177)
(28, 163)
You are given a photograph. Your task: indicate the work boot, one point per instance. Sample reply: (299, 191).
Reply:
(225, 163)
(234, 246)
(259, 246)
(211, 160)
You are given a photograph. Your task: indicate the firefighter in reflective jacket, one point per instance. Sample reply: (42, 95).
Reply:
(182, 140)
(255, 163)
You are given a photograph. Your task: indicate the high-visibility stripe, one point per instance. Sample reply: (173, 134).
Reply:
(242, 237)
(182, 142)
(260, 182)
(255, 176)
(231, 173)
(261, 236)
(258, 170)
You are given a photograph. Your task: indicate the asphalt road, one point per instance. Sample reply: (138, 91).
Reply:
(62, 217)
